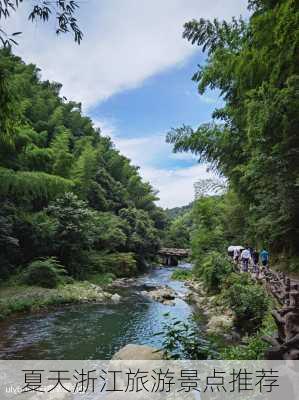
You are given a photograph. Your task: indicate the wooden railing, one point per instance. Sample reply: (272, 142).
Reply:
(285, 343)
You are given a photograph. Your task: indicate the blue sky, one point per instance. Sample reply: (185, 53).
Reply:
(138, 119)
(132, 74)
(168, 99)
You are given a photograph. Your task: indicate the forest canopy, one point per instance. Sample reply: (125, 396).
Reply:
(65, 190)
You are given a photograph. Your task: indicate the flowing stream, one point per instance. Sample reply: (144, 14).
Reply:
(95, 331)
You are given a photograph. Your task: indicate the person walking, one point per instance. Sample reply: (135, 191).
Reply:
(264, 256)
(245, 258)
(237, 254)
(255, 261)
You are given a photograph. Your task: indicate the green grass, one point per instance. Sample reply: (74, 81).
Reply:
(21, 298)
(181, 275)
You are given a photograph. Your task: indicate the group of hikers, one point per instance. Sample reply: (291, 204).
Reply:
(249, 258)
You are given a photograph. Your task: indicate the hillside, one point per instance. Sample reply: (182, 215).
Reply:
(65, 190)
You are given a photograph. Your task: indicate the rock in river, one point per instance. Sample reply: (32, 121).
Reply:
(138, 352)
(164, 295)
(115, 298)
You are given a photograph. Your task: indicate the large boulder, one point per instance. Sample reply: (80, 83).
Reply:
(138, 352)
(164, 295)
(115, 298)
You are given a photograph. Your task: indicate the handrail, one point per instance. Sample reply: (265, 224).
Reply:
(285, 343)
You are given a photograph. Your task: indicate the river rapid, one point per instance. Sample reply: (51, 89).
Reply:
(95, 331)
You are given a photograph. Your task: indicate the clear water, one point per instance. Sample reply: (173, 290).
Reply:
(94, 331)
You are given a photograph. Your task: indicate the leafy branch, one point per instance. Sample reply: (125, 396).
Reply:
(63, 10)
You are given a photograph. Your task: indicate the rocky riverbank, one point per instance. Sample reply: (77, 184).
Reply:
(219, 319)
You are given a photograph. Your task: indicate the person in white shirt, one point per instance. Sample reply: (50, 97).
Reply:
(245, 258)
(237, 254)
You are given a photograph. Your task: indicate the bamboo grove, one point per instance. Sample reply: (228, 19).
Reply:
(66, 193)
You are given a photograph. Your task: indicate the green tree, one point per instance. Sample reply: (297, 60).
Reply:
(208, 233)
(179, 231)
(76, 230)
(142, 237)
(62, 156)
(9, 244)
(253, 138)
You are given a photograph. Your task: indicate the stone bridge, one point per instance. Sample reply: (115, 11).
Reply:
(170, 256)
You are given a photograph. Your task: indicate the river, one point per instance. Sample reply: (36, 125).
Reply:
(95, 331)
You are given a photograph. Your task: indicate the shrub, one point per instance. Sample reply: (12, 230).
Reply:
(249, 301)
(68, 280)
(45, 272)
(181, 274)
(254, 347)
(182, 340)
(102, 279)
(214, 270)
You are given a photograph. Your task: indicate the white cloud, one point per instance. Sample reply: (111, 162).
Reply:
(125, 42)
(144, 151)
(175, 185)
(107, 126)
